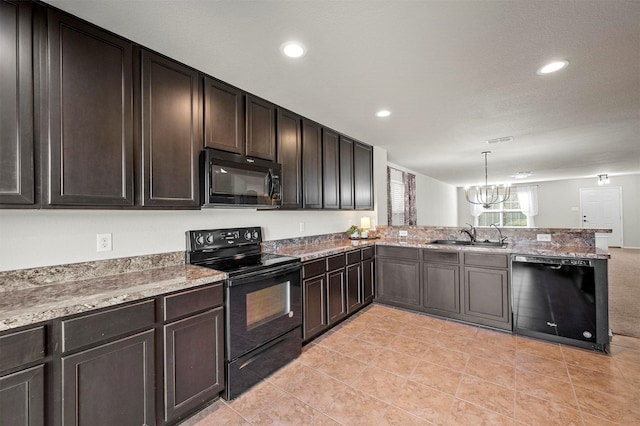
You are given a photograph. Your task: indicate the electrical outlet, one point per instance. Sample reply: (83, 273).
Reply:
(403, 233)
(543, 237)
(301, 226)
(104, 242)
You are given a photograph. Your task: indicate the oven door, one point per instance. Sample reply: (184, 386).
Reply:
(262, 307)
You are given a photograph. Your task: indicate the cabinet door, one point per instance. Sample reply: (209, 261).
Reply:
(330, 169)
(90, 143)
(171, 135)
(223, 116)
(193, 362)
(441, 288)
(314, 306)
(290, 157)
(354, 287)
(368, 283)
(486, 294)
(261, 128)
(22, 398)
(111, 384)
(346, 174)
(398, 281)
(363, 176)
(16, 107)
(311, 165)
(336, 295)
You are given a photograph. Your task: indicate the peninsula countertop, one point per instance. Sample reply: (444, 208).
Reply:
(313, 251)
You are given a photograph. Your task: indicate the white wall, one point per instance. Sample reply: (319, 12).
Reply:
(33, 238)
(436, 202)
(559, 205)
(44, 237)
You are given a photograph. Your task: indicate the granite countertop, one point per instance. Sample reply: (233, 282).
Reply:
(314, 251)
(36, 295)
(30, 301)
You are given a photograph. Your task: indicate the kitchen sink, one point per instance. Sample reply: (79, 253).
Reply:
(494, 244)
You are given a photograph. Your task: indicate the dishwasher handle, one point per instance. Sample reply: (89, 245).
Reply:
(555, 261)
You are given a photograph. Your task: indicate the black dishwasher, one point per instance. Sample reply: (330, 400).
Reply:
(564, 300)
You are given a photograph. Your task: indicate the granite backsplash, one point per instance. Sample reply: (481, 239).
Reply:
(560, 237)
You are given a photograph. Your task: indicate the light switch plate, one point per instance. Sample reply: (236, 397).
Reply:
(543, 237)
(403, 233)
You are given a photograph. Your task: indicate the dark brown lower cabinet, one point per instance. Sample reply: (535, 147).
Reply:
(336, 290)
(335, 287)
(368, 281)
(193, 362)
(441, 282)
(354, 281)
(486, 294)
(111, 384)
(469, 286)
(22, 371)
(398, 275)
(22, 398)
(314, 306)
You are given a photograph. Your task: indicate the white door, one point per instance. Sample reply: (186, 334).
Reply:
(602, 208)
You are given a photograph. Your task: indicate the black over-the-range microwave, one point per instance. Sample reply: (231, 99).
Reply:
(233, 180)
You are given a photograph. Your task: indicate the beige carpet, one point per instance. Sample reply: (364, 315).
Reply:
(624, 291)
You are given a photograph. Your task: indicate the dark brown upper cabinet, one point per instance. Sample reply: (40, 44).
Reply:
(346, 173)
(90, 144)
(363, 176)
(223, 116)
(170, 136)
(260, 128)
(311, 165)
(16, 107)
(330, 169)
(290, 157)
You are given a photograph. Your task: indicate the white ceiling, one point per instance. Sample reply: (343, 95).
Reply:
(453, 73)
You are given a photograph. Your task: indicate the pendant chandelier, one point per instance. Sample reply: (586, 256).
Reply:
(487, 195)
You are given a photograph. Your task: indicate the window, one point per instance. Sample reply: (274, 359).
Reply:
(396, 197)
(508, 213)
(401, 196)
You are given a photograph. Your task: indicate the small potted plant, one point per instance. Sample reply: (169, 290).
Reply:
(353, 232)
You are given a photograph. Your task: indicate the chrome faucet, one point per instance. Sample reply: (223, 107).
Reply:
(471, 232)
(499, 232)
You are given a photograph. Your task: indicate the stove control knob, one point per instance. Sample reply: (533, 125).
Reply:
(255, 235)
(199, 240)
(247, 235)
(210, 239)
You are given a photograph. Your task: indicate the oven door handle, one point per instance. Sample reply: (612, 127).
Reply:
(294, 267)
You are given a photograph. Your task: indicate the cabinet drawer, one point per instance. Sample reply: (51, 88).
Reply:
(440, 256)
(367, 253)
(94, 328)
(408, 253)
(353, 257)
(335, 262)
(21, 348)
(489, 260)
(192, 301)
(313, 268)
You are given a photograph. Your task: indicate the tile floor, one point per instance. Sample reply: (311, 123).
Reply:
(386, 366)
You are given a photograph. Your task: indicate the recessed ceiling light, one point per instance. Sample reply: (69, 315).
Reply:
(383, 113)
(521, 175)
(293, 49)
(553, 67)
